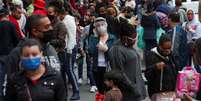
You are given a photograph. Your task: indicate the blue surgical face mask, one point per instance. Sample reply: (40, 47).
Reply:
(31, 64)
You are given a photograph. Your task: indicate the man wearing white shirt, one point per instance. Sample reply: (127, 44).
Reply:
(70, 24)
(69, 21)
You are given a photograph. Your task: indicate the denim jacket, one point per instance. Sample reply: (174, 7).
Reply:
(90, 46)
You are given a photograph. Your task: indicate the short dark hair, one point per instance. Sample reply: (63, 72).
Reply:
(164, 38)
(13, 7)
(175, 17)
(150, 7)
(29, 43)
(126, 29)
(57, 5)
(178, 3)
(115, 76)
(33, 21)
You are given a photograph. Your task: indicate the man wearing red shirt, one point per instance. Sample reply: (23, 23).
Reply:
(16, 12)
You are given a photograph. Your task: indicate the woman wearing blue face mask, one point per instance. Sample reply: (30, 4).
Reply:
(35, 82)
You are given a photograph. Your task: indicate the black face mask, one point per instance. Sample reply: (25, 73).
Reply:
(51, 17)
(48, 36)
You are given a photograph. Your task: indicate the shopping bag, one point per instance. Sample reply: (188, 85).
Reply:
(164, 96)
(188, 82)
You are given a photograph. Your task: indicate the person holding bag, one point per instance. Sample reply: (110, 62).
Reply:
(187, 97)
(161, 72)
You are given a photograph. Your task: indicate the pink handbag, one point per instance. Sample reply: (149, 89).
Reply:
(188, 82)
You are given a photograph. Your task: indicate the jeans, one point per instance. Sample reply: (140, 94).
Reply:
(2, 75)
(71, 74)
(89, 69)
(74, 54)
(69, 71)
(99, 78)
(63, 58)
(90, 75)
(80, 67)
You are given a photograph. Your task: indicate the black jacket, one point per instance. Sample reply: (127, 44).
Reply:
(8, 39)
(50, 87)
(153, 75)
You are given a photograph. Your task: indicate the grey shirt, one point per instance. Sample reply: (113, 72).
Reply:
(127, 60)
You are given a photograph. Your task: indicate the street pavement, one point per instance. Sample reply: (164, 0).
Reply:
(85, 95)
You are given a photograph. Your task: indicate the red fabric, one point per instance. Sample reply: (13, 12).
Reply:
(39, 4)
(82, 10)
(73, 4)
(111, 0)
(34, 82)
(42, 12)
(99, 97)
(19, 31)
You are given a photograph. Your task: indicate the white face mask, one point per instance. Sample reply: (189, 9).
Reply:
(101, 30)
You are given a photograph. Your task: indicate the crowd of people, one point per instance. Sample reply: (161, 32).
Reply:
(42, 41)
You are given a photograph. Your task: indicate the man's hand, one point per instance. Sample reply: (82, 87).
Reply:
(102, 47)
(160, 65)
